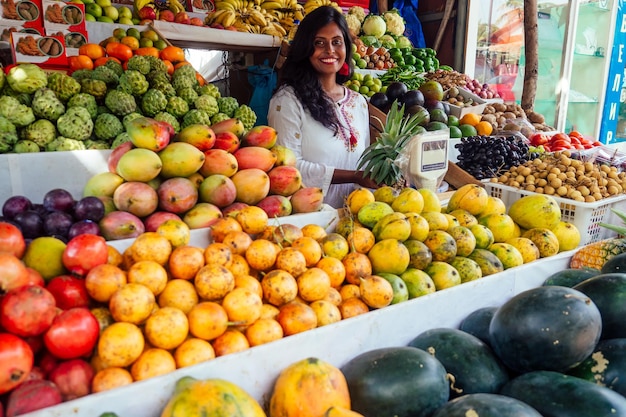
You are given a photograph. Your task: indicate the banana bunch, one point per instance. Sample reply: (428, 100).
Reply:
(245, 16)
(286, 12)
(176, 6)
(311, 5)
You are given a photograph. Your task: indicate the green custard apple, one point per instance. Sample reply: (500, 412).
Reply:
(84, 100)
(120, 103)
(64, 86)
(46, 105)
(75, 123)
(107, 126)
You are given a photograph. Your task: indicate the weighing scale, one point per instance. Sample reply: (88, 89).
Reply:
(428, 159)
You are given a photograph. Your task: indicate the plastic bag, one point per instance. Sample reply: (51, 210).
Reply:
(408, 10)
(263, 79)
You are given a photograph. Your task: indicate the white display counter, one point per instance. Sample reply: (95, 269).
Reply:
(34, 174)
(256, 369)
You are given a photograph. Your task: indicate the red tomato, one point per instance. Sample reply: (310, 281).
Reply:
(83, 252)
(574, 140)
(537, 139)
(597, 143)
(68, 291)
(73, 333)
(12, 240)
(560, 144)
(27, 311)
(560, 136)
(575, 134)
(16, 361)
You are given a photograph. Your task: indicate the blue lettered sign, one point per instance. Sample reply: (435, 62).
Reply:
(613, 125)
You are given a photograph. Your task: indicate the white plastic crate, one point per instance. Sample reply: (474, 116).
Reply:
(585, 216)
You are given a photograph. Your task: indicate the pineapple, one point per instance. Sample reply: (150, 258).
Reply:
(379, 161)
(594, 255)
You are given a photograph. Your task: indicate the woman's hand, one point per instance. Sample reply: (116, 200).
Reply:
(365, 181)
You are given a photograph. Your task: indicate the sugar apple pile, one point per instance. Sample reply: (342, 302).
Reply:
(90, 108)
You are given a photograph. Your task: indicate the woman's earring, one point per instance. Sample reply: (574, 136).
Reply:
(345, 69)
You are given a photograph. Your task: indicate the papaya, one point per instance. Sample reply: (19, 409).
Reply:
(471, 363)
(210, 397)
(536, 211)
(489, 263)
(545, 328)
(486, 405)
(308, 388)
(336, 411)
(396, 381)
(608, 293)
(606, 366)
(551, 394)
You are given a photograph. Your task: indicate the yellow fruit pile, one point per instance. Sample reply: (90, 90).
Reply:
(166, 304)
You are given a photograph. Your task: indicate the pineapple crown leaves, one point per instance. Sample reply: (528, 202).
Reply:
(614, 227)
(378, 159)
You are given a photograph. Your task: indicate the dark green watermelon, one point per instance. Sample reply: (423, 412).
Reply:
(615, 264)
(606, 366)
(550, 328)
(570, 277)
(396, 381)
(477, 323)
(472, 365)
(486, 405)
(554, 394)
(608, 292)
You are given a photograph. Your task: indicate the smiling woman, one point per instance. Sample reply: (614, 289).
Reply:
(323, 122)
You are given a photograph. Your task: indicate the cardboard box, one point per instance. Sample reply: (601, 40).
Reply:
(459, 111)
(62, 18)
(45, 51)
(22, 13)
(34, 174)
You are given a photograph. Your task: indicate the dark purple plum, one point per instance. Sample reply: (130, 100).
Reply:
(39, 208)
(433, 104)
(83, 227)
(89, 208)
(57, 223)
(59, 199)
(14, 205)
(31, 223)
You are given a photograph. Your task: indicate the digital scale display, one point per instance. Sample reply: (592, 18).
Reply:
(434, 155)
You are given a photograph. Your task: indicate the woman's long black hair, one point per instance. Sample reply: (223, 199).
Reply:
(298, 72)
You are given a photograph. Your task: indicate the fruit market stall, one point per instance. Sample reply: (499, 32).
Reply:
(256, 369)
(191, 212)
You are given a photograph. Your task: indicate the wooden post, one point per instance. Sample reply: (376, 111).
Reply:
(531, 41)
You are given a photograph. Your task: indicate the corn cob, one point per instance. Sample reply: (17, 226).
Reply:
(596, 254)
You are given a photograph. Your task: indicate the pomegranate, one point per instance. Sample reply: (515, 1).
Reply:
(16, 361)
(27, 311)
(73, 378)
(31, 396)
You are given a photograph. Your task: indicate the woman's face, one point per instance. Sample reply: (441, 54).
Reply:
(329, 50)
